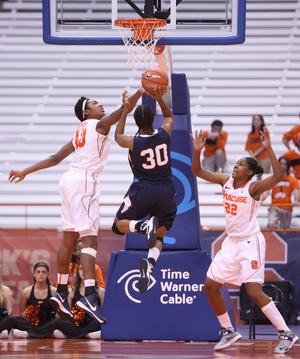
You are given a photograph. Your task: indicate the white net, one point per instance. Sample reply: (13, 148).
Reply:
(140, 38)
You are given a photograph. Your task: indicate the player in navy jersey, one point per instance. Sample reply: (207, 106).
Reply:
(152, 191)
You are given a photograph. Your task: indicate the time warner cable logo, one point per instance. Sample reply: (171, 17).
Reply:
(132, 280)
(175, 286)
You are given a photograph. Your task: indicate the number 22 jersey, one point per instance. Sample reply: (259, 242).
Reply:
(240, 210)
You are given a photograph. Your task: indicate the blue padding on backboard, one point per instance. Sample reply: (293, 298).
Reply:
(180, 95)
(175, 297)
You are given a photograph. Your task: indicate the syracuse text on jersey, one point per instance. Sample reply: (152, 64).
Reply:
(232, 198)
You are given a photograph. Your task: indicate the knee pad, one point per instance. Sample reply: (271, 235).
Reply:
(160, 239)
(116, 230)
(90, 251)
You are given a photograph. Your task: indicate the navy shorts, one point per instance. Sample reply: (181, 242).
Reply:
(154, 198)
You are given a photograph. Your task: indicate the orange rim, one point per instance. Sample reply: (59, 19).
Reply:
(143, 28)
(132, 23)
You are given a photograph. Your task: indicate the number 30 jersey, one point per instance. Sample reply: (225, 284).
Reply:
(240, 210)
(91, 148)
(150, 158)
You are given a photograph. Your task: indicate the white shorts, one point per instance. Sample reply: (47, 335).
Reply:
(240, 262)
(80, 193)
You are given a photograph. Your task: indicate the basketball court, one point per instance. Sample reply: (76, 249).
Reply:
(71, 348)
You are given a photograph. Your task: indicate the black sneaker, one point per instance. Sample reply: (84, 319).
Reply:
(146, 269)
(60, 303)
(149, 227)
(90, 305)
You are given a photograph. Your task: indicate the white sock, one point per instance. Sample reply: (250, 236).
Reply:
(62, 278)
(224, 320)
(275, 317)
(154, 253)
(132, 226)
(89, 282)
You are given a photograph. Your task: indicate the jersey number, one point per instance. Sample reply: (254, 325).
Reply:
(80, 137)
(231, 208)
(160, 158)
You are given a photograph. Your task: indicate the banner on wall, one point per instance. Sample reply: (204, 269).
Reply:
(20, 251)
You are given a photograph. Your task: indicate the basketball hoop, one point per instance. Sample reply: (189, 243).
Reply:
(140, 37)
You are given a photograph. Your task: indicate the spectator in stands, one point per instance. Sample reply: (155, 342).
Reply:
(214, 151)
(36, 313)
(152, 191)
(83, 325)
(254, 145)
(80, 191)
(75, 260)
(6, 309)
(291, 136)
(294, 156)
(280, 212)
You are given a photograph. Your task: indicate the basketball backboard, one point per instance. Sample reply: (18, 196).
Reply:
(189, 22)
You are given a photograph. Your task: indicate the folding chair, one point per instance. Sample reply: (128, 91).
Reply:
(276, 295)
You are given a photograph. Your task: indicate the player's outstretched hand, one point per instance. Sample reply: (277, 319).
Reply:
(199, 140)
(126, 101)
(16, 176)
(159, 93)
(265, 141)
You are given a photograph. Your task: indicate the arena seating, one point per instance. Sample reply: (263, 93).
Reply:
(39, 85)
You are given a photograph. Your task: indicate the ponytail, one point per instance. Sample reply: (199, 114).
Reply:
(254, 166)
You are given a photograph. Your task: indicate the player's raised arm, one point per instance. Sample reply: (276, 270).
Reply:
(121, 139)
(197, 170)
(258, 187)
(104, 125)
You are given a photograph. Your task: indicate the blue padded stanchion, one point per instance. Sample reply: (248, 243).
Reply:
(174, 306)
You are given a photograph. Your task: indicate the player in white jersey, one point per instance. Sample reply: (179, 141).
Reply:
(242, 256)
(80, 190)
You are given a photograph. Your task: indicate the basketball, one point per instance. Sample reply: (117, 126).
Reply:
(153, 80)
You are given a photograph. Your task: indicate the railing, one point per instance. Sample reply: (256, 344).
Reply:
(26, 215)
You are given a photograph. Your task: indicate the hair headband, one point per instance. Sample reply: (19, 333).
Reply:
(83, 106)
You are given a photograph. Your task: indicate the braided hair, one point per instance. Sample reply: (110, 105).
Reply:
(78, 108)
(254, 166)
(144, 117)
